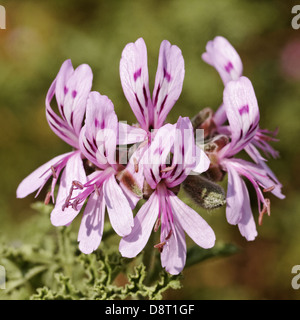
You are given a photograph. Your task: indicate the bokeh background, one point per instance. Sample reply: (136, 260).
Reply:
(40, 35)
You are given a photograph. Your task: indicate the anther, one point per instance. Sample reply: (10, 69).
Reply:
(169, 234)
(47, 198)
(67, 203)
(167, 169)
(77, 184)
(53, 172)
(160, 246)
(136, 165)
(75, 204)
(157, 224)
(269, 189)
(266, 209)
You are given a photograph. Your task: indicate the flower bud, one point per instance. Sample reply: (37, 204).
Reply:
(204, 192)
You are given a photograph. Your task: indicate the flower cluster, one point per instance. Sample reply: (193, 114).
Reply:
(114, 165)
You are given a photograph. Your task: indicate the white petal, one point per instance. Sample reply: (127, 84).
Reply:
(133, 244)
(118, 208)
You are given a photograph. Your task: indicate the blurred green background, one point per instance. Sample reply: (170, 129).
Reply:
(40, 35)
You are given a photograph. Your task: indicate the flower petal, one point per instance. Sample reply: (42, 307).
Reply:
(173, 255)
(129, 134)
(192, 223)
(133, 244)
(242, 113)
(92, 223)
(246, 223)
(235, 196)
(74, 170)
(58, 125)
(168, 81)
(222, 55)
(72, 92)
(99, 137)
(38, 177)
(118, 208)
(186, 155)
(155, 158)
(135, 81)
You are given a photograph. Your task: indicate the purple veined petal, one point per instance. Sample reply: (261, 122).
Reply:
(261, 141)
(58, 125)
(65, 72)
(39, 177)
(173, 255)
(246, 223)
(89, 149)
(131, 245)
(102, 122)
(135, 81)
(92, 223)
(155, 158)
(129, 134)
(184, 153)
(235, 197)
(267, 176)
(224, 58)
(259, 174)
(72, 91)
(203, 161)
(238, 209)
(74, 171)
(242, 112)
(192, 223)
(98, 136)
(100, 114)
(168, 81)
(118, 208)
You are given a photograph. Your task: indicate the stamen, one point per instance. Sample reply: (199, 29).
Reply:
(75, 204)
(53, 172)
(68, 199)
(78, 184)
(67, 203)
(266, 209)
(47, 198)
(160, 246)
(157, 224)
(169, 234)
(136, 165)
(269, 189)
(167, 169)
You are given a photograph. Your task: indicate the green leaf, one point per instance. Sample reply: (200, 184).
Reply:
(197, 254)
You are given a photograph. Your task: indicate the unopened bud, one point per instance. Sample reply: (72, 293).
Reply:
(205, 193)
(204, 120)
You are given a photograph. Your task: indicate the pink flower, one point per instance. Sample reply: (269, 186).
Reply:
(164, 208)
(98, 141)
(224, 58)
(71, 88)
(150, 112)
(243, 116)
